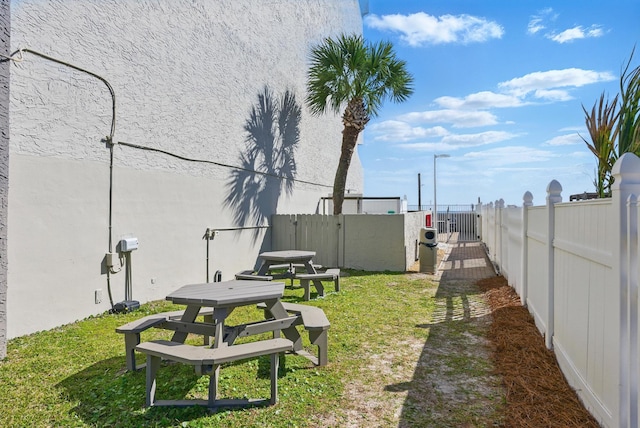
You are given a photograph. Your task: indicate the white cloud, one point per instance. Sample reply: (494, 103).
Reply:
(398, 131)
(480, 100)
(564, 140)
(583, 154)
(571, 129)
(537, 22)
(535, 26)
(575, 33)
(458, 118)
(420, 28)
(507, 156)
(458, 141)
(398, 176)
(479, 139)
(427, 147)
(542, 82)
(552, 95)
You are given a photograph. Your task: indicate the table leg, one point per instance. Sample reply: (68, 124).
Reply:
(213, 386)
(309, 266)
(275, 308)
(219, 315)
(316, 282)
(264, 268)
(292, 272)
(189, 316)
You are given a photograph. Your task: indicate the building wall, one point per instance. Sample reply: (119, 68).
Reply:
(192, 80)
(5, 25)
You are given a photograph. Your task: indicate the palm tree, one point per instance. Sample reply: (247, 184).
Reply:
(347, 73)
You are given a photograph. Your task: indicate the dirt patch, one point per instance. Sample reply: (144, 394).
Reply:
(537, 394)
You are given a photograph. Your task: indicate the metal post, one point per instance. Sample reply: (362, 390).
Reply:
(419, 194)
(435, 203)
(435, 200)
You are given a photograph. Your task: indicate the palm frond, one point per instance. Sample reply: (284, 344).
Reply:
(346, 68)
(629, 121)
(601, 124)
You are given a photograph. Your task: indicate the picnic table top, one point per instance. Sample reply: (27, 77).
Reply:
(227, 293)
(288, 255)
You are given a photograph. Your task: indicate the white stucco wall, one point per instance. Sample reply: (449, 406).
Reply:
(381, 242)
(186, 75)
(5, 33)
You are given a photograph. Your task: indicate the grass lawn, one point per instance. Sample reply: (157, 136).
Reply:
(381, 324)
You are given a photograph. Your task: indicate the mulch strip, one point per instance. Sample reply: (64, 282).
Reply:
(537, 394)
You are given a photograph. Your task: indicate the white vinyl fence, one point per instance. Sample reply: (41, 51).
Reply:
(575, 266)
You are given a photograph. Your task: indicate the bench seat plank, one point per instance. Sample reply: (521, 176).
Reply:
(295, 265)
(207, 361)
(250, 275)
(132, 330)
(317, 278)
(316, 323)
(205, 356)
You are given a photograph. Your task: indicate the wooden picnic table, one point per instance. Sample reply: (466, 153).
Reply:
(289, 257)
(224, 297)
(216, 301)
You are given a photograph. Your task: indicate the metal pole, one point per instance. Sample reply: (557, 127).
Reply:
(419, 194)
(435, 202)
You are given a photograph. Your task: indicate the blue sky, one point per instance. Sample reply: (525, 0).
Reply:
(499, 86)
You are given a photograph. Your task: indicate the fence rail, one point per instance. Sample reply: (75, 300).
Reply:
(443, 207)
(575, 265)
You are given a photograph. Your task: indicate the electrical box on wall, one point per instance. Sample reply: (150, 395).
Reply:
(128, 244)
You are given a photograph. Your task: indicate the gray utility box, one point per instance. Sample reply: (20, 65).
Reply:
(428, 250)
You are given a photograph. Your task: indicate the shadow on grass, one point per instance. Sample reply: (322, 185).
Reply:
(453, 382)
(105, 396)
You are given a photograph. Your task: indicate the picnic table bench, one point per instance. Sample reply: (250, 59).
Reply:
(133, 329)
(307, 278)
(207, 361)
(251, 275)
(316, 323)
(290, 267)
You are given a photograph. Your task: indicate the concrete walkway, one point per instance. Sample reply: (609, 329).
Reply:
(465, 261)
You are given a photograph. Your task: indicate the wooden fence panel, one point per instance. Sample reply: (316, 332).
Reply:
(283, 232)
(319, 233)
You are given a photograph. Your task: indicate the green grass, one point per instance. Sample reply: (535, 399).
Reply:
(75, 375)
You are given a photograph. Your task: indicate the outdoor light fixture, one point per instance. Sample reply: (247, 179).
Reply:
(435, 203)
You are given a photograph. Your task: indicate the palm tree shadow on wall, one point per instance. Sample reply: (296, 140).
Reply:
(268, 162)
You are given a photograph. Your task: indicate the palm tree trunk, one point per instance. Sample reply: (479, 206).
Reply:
(349, 140)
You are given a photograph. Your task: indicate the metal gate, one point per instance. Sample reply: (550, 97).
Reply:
(458, 223)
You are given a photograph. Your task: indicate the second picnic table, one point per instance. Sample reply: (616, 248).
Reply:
(290, 257)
